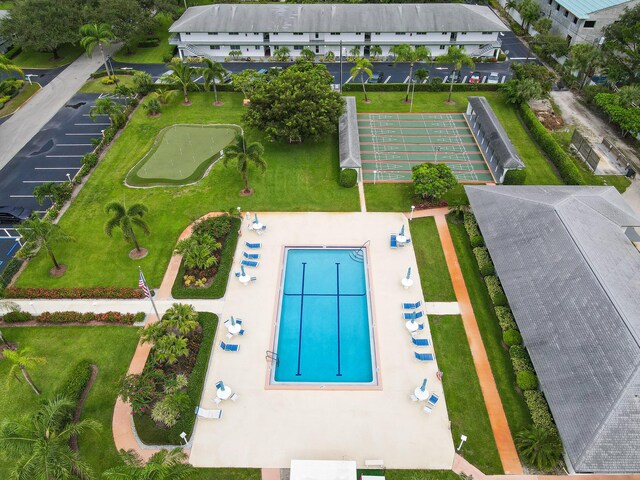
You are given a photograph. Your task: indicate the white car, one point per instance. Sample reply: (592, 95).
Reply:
(493, 77)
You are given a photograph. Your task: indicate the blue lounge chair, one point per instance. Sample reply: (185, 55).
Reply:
(393, 243)
(251, 256)
(219, 384)
(420, 326)
(241, 332)
(423, 357)
(238, 274)
(412, 315)
(229, 347)
(412, 306)
(420, 342)
(407, 241)
(253, 245)
(249, 263)
(433, 399)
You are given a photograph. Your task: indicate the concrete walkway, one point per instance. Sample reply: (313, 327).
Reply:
(16, 132)
(497, 418)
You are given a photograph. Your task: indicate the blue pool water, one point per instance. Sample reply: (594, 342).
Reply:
(324, 333)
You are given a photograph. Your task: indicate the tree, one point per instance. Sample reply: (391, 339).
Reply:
(126, 219)
(38, 233)
(7, 66)
(421, 74)
(621, 47)
(43, 25)
(586, 58)
(181, 317)
(552, 44)
(235, 53)
(93, 35)
(354, 52)
(198, 251)
(629, 95)
(362, 68)
(129, 19)
(246, 81)
(330, 56)
(539, 73)
(540, 447)
(40, 443)
(511, 4)
(163, 465)
(106, 106)
(152, 106)
(521, 91)
(46, 190)
(297, 105)
(308, 54)
(142, 82)
(169, 348)
(212, 72)
(458, 57)
(543, 25)
(406, 53)
(529, 11)
(282, 54)
(375, 51)
(24, 361)
(244, 156)
(181, 77)
(433, 180)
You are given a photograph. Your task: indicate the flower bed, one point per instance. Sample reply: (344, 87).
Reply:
(73, 292)
(57, 318)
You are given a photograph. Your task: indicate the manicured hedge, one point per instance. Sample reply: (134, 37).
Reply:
(496, 292)
(16, 317)
(471, 226)
(527, 380)
(505, 319)
(512, 338)
(568, 170)
(421, 87)
(348, 177)
(540, 413)
(9, 271)
(74, 317)
(76, 382)
(13, 52)
(520, 359)
(74, 292)
(484, 261)
(117, 71)
(515, 177)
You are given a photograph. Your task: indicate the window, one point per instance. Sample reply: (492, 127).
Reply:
(187, 33)
(575, 19)
(463, 33)
(213, 33)
(214, 47)
(589, 23)
(257, 47)
(297, 33)
(235, 47)
(234, 33)
(377, 33)
(335, 33)
(550, 2)
(445, 33)
(558, 8)
(401, 33)
(421, 33)
(298, 47)
(358, 33)
(566, 13)
(274, 33)
(487, 33)
(442, 47)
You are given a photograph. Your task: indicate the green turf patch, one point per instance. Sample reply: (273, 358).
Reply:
(181, 154)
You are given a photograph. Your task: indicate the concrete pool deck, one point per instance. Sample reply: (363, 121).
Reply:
(270, 427)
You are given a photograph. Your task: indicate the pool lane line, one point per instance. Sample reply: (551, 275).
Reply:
(339, 374)
(324, 294)
(304, 267)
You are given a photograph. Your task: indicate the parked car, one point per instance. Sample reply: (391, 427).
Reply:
(493, 77)
(377, 77)
(475, 77)
(13, 214)
(262, 71)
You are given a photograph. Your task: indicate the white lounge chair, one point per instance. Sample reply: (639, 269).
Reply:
(427, 409)
(217, 400)
(208, 413)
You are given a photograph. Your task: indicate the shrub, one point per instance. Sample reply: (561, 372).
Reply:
(484, 261)
(505, 319)
(90, 160)
(471, 226)
(74, 292)
(527, 380)
(540, 448)
(9, 271)
(539, 409)
(168, 409)
(16, 317)
(520, 359)
(216, 227)
(13, 52)
(512, 338)
(496, 292)
(590, 91)
(78, 317)
(139, 390)
(149, 42)
(76, 382)
(348, 178)
(515, 177)
(142, 82)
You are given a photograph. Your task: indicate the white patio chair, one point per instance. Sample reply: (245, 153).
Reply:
(208, 413)
(217, 400)
(234, 397)
(427, 409)
(413, 398)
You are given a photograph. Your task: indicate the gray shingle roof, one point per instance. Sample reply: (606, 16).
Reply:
(348, 136)
(338, 18)
(572, 278)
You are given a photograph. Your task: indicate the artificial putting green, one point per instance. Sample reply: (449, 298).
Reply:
(181, 154)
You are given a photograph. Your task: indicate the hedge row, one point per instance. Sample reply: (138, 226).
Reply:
(116, 71)
(74, 292)
(348, 178)
(484, 261)
(496, 292)
(515, 177)
(520, 359)
(539, 409)
(421, 87)
(76, 382)
(73, 317)
(471, 226)
(505, 319)
(566, 167)
(13, 52)
(9, 271)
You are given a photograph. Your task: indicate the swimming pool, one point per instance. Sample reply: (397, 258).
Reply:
(324, 333)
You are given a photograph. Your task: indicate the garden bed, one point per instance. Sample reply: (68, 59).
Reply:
(73, 292)
(72, 318)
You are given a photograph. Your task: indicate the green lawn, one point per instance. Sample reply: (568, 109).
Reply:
(434, 275)
(95, 85)
(226, 474)
(109, 347)
(6, 5)
(153, 54)
(17, 101)
(298, 178)
(465, 404)
(411, 474)
(513, 402)
(67, 53)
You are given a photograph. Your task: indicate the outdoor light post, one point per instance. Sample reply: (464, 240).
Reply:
(413, 207)
(69, 177)
(340, 66)
(463, 438)
(28, 77)
(375, 172)
(183, 436)
(437, 150)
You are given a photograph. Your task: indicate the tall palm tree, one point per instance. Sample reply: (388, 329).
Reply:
(362, 68)
(181, 76)
(40, 443)
(106, 106)
(212, 72)
(406, 53)
(375, 51)
(282, 53)
(42, 233)
(355, 52)
(245, 155)
(586, 58)
(99, 34)
(126, 219)
(458, 57)
(308, 54)
(7, 66)
(181, 317)
(24, 361)
(163, 465)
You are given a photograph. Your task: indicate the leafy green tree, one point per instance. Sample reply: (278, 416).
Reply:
(235, 53)
(421, 74)
(630, 95)
(7, 66)
(407, 53)
(284, 107)
(362, 68)
(539, 73)
(106, 106)
(37, 233)
(628, 119)
(586, 58)
(43, 25)
(212, 72)
(163, 465)
(621, 47)
(433, 180)
(543, 25)
(540, 448)
(354, 52)
(182, 318)
(375, 51)
(511, 4)
(552, 44)
(521, 91)
(125, 219)
(529, 11)
(169, 348)
(129, 19)
(164, 95)
(246, 81)
(330, 56)
(24, 361)
(142, 82)
(40, 443)
(458, 57)
(182, 77)
(308, 54)
(198, 251)
(46, 190)
(245, 155)
(152, 106)
(282, 54)
(94, 34)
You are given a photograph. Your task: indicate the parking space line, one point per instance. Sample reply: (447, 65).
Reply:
(446, 77)
(74, 145)
(56, 168)
(349, 79)
(388, 78)
(15, 244)
(44, 181)
(21, 196)
(89, 124)
(64, 156)
(464, 80)
(406, 79)
(96, 115)
(504, 77)
(85, 134)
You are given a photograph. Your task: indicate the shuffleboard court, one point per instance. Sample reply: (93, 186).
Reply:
(392, 143)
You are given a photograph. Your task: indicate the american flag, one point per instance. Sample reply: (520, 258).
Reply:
(142, 284)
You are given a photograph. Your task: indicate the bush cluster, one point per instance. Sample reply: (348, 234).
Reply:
(505, 319)
(149, 42)
(116, 71)
(496, 292)
(515, 177)
(512, 338)
(216, 227)
(484, 261)
(348, 178)
(566, 167)
(520, 359)
(76, 382)
(527, 380)
(471, 226)
(74, 292)
(73, 317)
(539, 409)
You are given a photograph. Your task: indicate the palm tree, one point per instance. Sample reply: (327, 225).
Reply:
(421, 74)
(8, 66)
(40, 443)
(197, 251)
(42, 233)
(126, 219)
(168, 348)
(362, 68)
(458, 57)
(375, 51)
(212, 72)
(181, 317)
(96, 34)
(164, 95)
(540, 447)
(586, 58)
(24, 361)
(251, 154)
(355, 52)
(163, 465)
(406, 53)
(46, 190)
(282, 53)
(308, 54)
(182, 77)
(106, 106)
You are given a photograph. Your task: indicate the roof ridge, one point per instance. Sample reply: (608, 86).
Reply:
(497, 190)
(579, 199)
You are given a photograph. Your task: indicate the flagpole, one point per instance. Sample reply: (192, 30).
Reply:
(144, 281)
